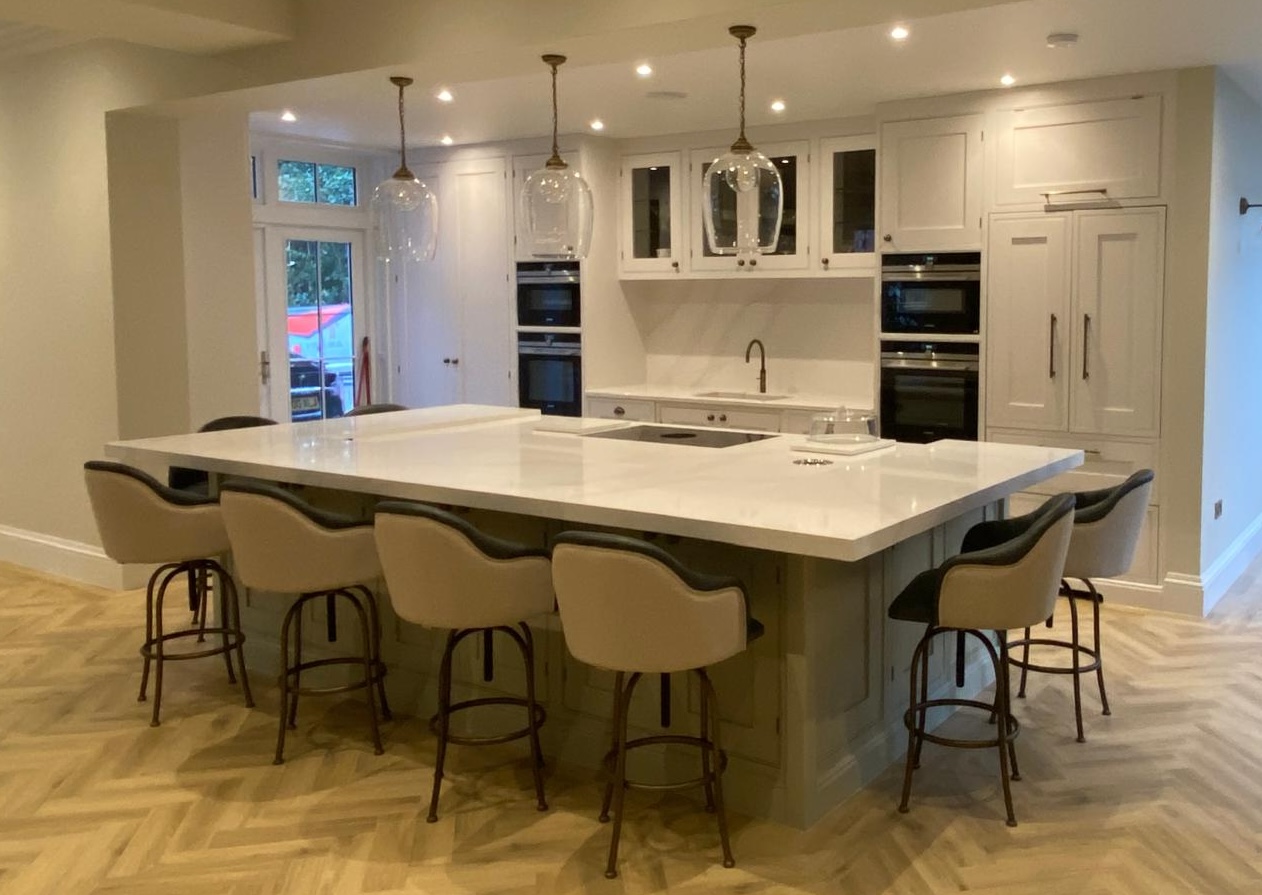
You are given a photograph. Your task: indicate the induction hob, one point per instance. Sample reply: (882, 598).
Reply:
(710, 438)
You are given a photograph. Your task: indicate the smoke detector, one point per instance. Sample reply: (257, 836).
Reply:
(1062, 40)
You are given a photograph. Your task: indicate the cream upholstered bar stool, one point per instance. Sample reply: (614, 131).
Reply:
(442, 572)
(1010, 585)
(283, 544)
(1107, 526)
(630, 607)
(143, 521)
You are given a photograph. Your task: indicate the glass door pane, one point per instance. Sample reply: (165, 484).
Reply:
(788, 242)
(650, 212)
(319, 324)
(853, 223)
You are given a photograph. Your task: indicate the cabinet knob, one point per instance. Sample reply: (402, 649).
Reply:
(675, 264)
(447, 361)
(740, 262)
(888, 238)
(722, 417)
(823, 261)
(455, 361)
(753, 262)
(709, 417)
(619, 411)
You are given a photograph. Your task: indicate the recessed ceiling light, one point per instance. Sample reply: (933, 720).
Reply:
(597, 124)
(777, 106)
(446, 140)
(899, 32)
(644, 69)
(444, 96)
(1062, 40)
(288, 116)
(1007, 80)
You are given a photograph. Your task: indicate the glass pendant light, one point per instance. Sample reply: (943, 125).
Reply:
(404, 210)
(742, 194)
(556, 202)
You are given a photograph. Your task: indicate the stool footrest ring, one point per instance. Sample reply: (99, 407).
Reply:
(611, 758)
(1014, 726)
(1054, 669)
(541, 715)
(294, 670)
(235, 639)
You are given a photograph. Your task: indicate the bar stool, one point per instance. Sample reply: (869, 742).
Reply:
(1010, 585)
(143, 521)
(443, 573)
(283, 544)
(368, 409)
(1107, 525)
(632, 608)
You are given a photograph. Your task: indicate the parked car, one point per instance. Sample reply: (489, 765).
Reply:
(306, 392)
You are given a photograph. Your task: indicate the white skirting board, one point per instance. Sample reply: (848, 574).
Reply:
(85, 563)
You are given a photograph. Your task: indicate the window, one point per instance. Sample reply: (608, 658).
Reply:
(316, 183)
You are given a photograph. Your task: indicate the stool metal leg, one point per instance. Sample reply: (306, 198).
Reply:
(620, 774)
(1096, 600)
(618, 683)
(924, 714)
(915, 729)
(1005, 668)
(706, 774)
(292, 709)
(527, 645)
(1025, 662)
(1002, 741)
(1077, 674)
(285, 627)
(720, 812)
(159, 645)
(444, 723)
(370, 599)
(225, 620)
(232, 619)
(144, 652)
(370, 666)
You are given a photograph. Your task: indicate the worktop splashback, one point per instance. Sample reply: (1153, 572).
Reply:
(819, 334)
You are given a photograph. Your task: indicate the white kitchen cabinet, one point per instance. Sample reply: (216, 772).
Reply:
(847, 205)
(1079, 152)
(793, 247)
(622, 409)
(1028, 292)
(1115, 352)
(718, 415)
(522, 167)
(651, 214)
(452, 323)
(1074, 322)
(931, 184)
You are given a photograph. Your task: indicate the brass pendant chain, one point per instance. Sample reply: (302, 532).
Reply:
(555, 162)
(742, 136)
(403, 173)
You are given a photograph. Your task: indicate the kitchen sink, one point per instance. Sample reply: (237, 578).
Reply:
(742, 396)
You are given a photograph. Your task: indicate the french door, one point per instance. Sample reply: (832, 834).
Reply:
(316, 318)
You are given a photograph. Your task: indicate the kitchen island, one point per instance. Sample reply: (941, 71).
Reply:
(812, 710)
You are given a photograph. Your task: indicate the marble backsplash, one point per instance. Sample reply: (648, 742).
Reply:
(819, 333)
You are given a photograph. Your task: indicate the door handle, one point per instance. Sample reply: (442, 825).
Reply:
(1086, 341)
(1051, 351)
(447, 361)
(455, 361)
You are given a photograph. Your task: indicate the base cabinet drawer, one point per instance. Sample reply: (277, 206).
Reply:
(1143, 568)
(621, 409)
(1106, 463)
(720, 417)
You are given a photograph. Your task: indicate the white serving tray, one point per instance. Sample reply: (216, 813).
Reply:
(578, 425)
(848, 449)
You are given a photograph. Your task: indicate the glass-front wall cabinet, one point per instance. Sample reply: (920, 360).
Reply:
(652, 212)
(792, 248)
(847, 221)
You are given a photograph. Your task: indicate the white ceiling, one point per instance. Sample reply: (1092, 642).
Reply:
(823, 75)
(21, 39)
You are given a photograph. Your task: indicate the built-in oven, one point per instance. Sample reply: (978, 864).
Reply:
(550, 372)
(548, 294)
(933, 294)
(929, 390)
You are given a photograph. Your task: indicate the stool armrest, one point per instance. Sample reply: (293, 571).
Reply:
(1023, 533)
(323, 518)
(170, 495)
(1092, 506)
(496, 548)
(699, 581)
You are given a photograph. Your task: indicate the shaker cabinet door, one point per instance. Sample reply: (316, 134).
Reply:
(1116, 349)
(1027, 382)
(931, 184)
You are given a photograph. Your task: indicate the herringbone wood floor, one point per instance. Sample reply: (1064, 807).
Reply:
(1165, 797)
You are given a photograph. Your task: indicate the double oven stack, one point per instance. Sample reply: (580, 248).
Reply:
(930, 351)
(549, 337)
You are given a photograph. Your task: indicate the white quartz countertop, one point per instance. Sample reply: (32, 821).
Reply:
(694, 395)
(751, 494)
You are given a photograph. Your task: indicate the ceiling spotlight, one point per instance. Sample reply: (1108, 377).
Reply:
(899, 32)
(777, 106)
(644, 69)
(444, 96)
(288, 117)
(446, 140)
(1062, 40)
(1007, 80)
(598, 125)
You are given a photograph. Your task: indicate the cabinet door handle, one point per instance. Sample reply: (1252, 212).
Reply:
(619, 411)
(1051, 351)
(888, 238)
(722, 417)
(675, 265)
(455, 361)
(447, 361)
(709, 417)
(1086, 341)
(753, 262)
(824, 261)
(740, 262)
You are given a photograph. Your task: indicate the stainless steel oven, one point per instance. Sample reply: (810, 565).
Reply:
(548, 294)
(550, 372)
(937, 294)
(929, 390)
